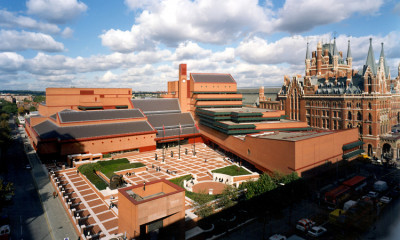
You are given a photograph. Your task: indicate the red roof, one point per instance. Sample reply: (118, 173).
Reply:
(353, 181)
(337, 191)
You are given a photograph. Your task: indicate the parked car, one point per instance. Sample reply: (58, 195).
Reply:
(277, 237)
(304, 224)
(385, 199)
(373, 194)
(316, 231)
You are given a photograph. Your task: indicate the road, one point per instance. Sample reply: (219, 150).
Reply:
(26, 214)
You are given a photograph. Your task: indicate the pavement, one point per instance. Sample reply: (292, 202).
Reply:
(60, 227)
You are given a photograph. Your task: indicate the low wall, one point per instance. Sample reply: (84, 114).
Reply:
(234, 179)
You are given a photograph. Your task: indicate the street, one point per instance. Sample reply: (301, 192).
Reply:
(26, 214)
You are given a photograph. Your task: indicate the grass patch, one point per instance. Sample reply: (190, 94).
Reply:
(232, 170)
(107, 155)
(192, 195)
(107, 168)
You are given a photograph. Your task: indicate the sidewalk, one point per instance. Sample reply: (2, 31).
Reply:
(57, 220)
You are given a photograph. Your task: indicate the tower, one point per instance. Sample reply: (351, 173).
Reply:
(319, 58)
(261, 96)
(349, 58)
(308, 62)
(182, 88)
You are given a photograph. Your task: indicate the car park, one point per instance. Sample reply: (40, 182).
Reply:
(385, 199)
(316, 231)
(304, 224)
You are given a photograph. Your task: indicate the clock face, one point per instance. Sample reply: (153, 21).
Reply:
(184, 81)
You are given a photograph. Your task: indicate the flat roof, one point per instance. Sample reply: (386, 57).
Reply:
(239, 110)
(290, 136)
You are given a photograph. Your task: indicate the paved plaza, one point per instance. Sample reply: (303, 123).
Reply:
(96, 217)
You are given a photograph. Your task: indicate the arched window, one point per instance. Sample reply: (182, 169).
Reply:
(370, 130)
(360, 129)
(359, 116)
(349, 115)
(370, 117)
(369, 105)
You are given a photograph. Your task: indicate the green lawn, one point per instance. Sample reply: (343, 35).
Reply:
(107, 168)
(232, 170)
(179, 181)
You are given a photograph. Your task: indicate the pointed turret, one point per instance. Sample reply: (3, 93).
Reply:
(307, 53)
(349, 58)
(383, 59)
(370, 59)
(335, 51)
(348, 50)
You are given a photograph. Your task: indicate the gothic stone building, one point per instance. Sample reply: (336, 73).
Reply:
(333, 96)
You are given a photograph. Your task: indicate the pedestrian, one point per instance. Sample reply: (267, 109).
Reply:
(109, 208)
(144, 186)
(205, 160)
(77, 171)
(54, 194)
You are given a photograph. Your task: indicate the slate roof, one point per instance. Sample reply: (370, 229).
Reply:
(49, 130)
(81, 116)
(212, 78)
(157, 105)
(171, 124)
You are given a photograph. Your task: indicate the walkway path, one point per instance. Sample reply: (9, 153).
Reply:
(58, 221)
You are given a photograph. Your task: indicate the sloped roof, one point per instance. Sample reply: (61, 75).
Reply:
(370, 59)
(81, 116)
(49, 130)
(157, 105)
(212, 78)
(170, 120)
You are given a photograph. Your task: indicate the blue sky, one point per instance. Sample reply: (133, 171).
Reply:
(139, 44)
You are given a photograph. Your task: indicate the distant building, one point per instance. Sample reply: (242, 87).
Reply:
(332, 95)
(253, 96)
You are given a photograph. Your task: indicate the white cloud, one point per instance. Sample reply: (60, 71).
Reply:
(67, 32)
(10, 61)
(57, 11)
(224, 21)
(108, 77)
(173, 21)
(12, 40)
(190, 50)
(11, 20)
(301, 15)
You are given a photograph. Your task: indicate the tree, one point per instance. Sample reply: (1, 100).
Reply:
(32, 109)
(21, 110)
(228, 197)
(202, 205)
(10, 108)
(39, 98)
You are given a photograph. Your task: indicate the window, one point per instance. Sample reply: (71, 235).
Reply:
(359, 116)
(370, 130)
(369, 106)
(349, 115)
(370, 117)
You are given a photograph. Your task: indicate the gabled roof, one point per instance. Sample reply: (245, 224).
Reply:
(81, 116)
(157, 105)
(49, 130)
(212, 78)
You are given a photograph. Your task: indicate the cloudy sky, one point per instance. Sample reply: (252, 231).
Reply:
(139, 44)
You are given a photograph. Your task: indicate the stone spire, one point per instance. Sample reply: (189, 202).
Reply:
(335, 51)
(348, 50)
(307, 53)
(382, 60)
(370, 58)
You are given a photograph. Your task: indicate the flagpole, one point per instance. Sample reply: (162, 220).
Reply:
(179, 141)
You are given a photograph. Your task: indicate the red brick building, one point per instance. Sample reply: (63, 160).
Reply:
(332, 95)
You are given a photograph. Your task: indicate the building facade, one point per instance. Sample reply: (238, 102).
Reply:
(332, 95)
